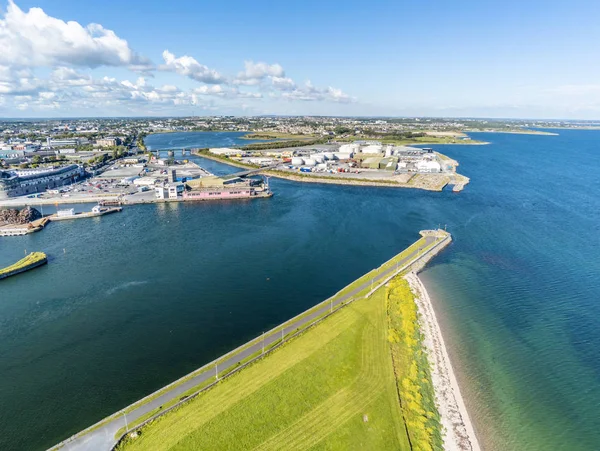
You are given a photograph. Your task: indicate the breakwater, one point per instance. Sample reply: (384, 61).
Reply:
(32, 261)
(101, 435)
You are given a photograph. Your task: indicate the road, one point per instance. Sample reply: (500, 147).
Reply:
(102, 438)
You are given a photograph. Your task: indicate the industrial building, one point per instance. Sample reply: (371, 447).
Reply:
(12, 184)
(66, 142)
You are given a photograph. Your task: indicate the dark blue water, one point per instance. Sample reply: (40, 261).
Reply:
(180, 140)
(132, 301)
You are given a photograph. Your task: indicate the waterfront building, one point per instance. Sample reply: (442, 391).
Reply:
(175, 190)
(12, 184)
(161, 192)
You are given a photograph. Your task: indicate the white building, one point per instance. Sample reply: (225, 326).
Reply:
(225, 151)
(144, 181)
(428, 166)
(175, 190)
(161, 192)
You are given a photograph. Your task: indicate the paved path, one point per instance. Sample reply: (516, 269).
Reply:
(102, 438)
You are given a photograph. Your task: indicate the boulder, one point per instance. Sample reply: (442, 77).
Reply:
(19, 217)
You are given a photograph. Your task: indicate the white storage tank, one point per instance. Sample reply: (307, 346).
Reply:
(297, 161)
(389, 151)
(310, 162)
(329, 156)
(373, 149)
(343, 155)
(318, 158)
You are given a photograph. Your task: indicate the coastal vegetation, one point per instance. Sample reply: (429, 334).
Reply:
(358, 378)
(284, 144)
(278, 135)
(411, 368)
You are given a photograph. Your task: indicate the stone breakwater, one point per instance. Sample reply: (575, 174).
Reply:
(458, 433)
(32, 261)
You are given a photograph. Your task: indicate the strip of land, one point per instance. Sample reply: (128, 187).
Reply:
(428, 182)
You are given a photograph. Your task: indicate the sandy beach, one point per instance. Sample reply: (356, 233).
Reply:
(458, 432)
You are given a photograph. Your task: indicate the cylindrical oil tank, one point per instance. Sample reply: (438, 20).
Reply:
(328, 155)
(310, 162)
(297, 161)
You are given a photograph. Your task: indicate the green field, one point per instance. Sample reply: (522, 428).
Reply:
(333, 387)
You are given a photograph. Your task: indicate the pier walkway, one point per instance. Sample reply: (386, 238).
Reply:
(101, 436)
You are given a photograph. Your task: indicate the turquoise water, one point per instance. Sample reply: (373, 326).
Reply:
(132, 301)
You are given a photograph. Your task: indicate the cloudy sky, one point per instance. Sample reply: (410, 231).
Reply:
(436, 58)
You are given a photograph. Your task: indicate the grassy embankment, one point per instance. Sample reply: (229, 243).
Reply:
(31, 259)
(334, 387)
(278, 135)
(394, 261)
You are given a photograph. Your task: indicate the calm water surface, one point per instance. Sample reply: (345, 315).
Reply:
(132, 301)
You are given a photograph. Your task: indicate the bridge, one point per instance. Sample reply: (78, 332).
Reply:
(252, 171)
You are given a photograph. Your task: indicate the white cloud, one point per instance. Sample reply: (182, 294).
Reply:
(18, 81)
(215, 90)
(309, 92)
(337, 95)
(35, 39)
(283, 83)
(255, 73)
(189, 67)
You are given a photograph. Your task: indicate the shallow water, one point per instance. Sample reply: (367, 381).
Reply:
(132, 301)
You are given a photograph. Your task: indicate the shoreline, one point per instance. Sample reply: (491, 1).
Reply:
(295, 177)
(458, 433)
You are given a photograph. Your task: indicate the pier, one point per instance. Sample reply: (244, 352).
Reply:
(105, 435)
(32, 261)
(90, 214)
(24, 229)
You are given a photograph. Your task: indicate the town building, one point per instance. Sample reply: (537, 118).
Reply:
(66, 142)
(12, 184)
(109, 142)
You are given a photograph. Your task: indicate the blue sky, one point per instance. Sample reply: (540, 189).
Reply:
(437, 58)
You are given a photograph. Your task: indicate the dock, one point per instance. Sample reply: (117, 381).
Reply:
(33, 260)
(23, 229)
(90, 214)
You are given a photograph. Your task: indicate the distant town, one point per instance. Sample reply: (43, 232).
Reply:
(106, 161)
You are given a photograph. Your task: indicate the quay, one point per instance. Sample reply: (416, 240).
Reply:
(96, 211)
(33, 260)
(107, 433)
(24, 229)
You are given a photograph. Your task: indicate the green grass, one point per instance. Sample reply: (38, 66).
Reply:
(331, 388)
(278, 135)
